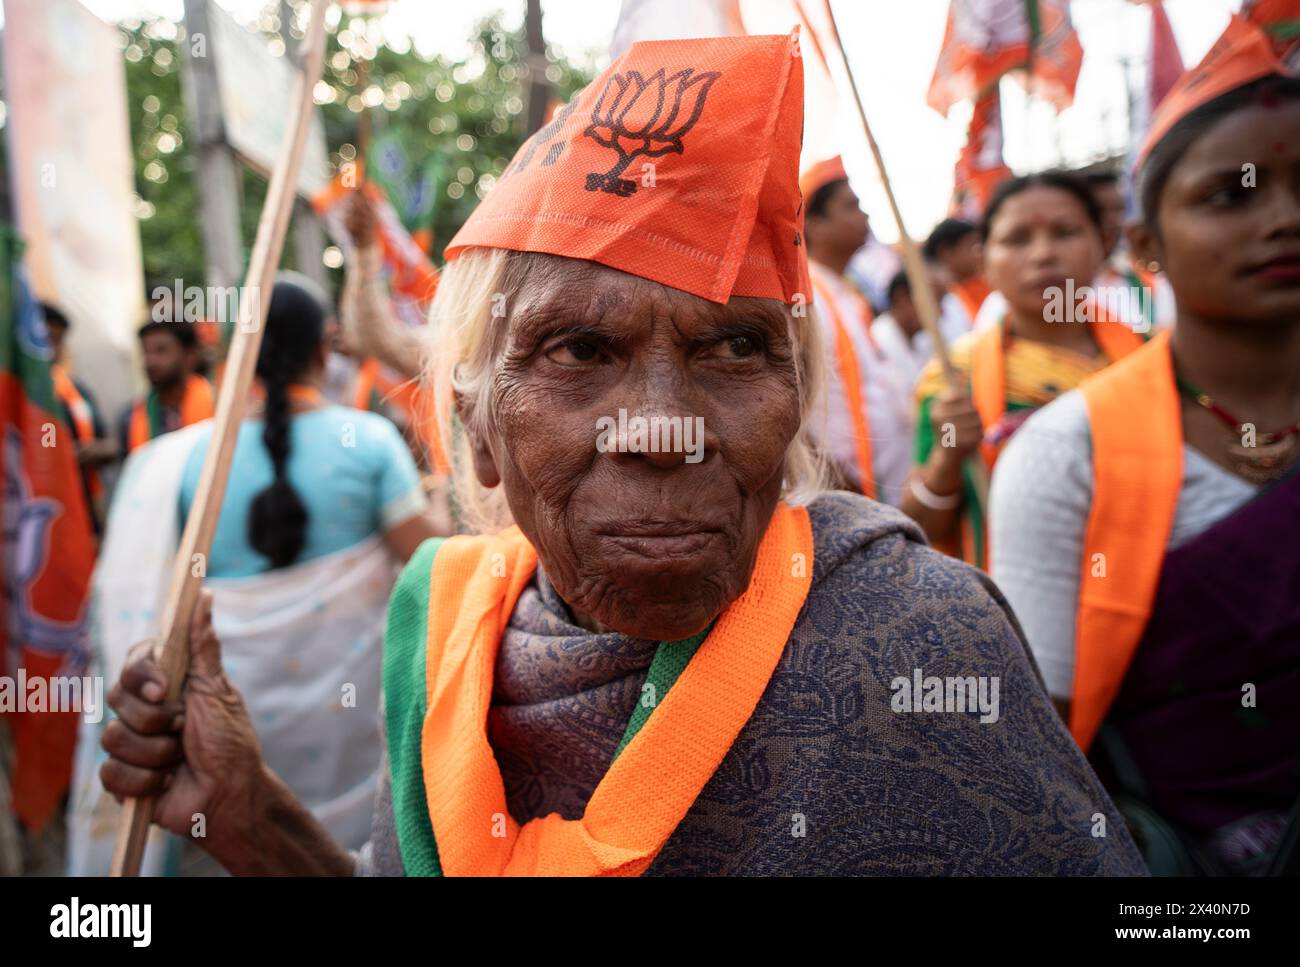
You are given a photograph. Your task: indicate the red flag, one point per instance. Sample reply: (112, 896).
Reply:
(48, 559)
(1166, 60)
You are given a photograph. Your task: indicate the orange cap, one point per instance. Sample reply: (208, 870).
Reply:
(820, 174)
(1242, 55)
(678, 164)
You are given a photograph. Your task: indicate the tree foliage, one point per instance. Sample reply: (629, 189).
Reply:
(458, 123)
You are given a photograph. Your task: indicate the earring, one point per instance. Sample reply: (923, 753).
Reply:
(1153, 266)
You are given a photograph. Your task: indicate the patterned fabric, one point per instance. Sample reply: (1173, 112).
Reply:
(1036, 374)
(825, 778)
(1208, 763)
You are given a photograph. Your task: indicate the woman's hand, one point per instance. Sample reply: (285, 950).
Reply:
(360, 219)
(958, 432)
(198, 756)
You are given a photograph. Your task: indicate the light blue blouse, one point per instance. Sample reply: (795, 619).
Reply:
(351, 468)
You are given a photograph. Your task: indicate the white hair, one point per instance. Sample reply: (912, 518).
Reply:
(467, 326)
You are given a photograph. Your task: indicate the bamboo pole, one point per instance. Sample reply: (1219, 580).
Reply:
(172, 649)
(927, 306)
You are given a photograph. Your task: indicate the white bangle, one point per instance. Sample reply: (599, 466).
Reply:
(928, 498)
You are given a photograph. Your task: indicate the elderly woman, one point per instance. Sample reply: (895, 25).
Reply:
(680, 658)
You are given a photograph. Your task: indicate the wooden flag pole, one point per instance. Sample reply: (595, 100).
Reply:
(927, 306)
(172, 648)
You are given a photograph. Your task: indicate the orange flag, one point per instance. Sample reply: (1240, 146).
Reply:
(985, 39)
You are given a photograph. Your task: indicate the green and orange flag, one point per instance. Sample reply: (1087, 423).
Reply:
(1280, 20)
(984, 39)
(49, 553)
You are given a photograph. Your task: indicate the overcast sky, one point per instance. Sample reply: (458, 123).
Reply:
(892, 45)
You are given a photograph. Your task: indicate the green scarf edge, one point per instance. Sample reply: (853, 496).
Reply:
(406, 702)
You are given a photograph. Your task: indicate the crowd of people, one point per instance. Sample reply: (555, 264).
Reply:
(1077, 488)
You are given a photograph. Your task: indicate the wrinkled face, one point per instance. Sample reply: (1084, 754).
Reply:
(1039, 239)
(166, 361)
(656, 542)
(1230, 243)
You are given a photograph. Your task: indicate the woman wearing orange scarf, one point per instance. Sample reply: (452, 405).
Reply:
(1146, 527)
(665, 651)
(1042, 243)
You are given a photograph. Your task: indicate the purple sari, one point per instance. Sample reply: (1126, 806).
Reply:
(1210, 707)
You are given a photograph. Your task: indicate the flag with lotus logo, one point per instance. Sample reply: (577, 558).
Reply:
(49, 550)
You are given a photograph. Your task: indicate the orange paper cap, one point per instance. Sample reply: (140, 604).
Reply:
(1242, 55)
(821, 174)
(678, 164)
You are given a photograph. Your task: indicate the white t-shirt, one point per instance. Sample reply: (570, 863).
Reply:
(888, 398)
(908, 355)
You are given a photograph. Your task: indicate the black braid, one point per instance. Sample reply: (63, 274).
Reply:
(295, 326)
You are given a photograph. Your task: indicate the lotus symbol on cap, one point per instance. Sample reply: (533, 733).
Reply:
(644, 117)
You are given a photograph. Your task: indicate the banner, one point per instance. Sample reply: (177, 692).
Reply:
(255, 87)
(73, 183)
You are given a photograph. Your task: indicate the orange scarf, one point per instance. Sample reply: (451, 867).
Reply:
(972, 294)
(1136, 422)
(988, 378)
(475, 584)
(83, 421)
(846, 363)
(66, 390)
(988, 373)
(196, 405)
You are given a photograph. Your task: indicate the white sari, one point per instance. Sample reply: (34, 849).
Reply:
(302, 644)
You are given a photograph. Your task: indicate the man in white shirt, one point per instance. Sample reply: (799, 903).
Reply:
(899, 334)
(865, 426)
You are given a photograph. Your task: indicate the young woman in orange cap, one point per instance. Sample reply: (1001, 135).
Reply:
(1042, 247)
(663, 659)
(1146, 527)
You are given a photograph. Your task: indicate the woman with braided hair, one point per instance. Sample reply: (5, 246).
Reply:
(323, 503)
